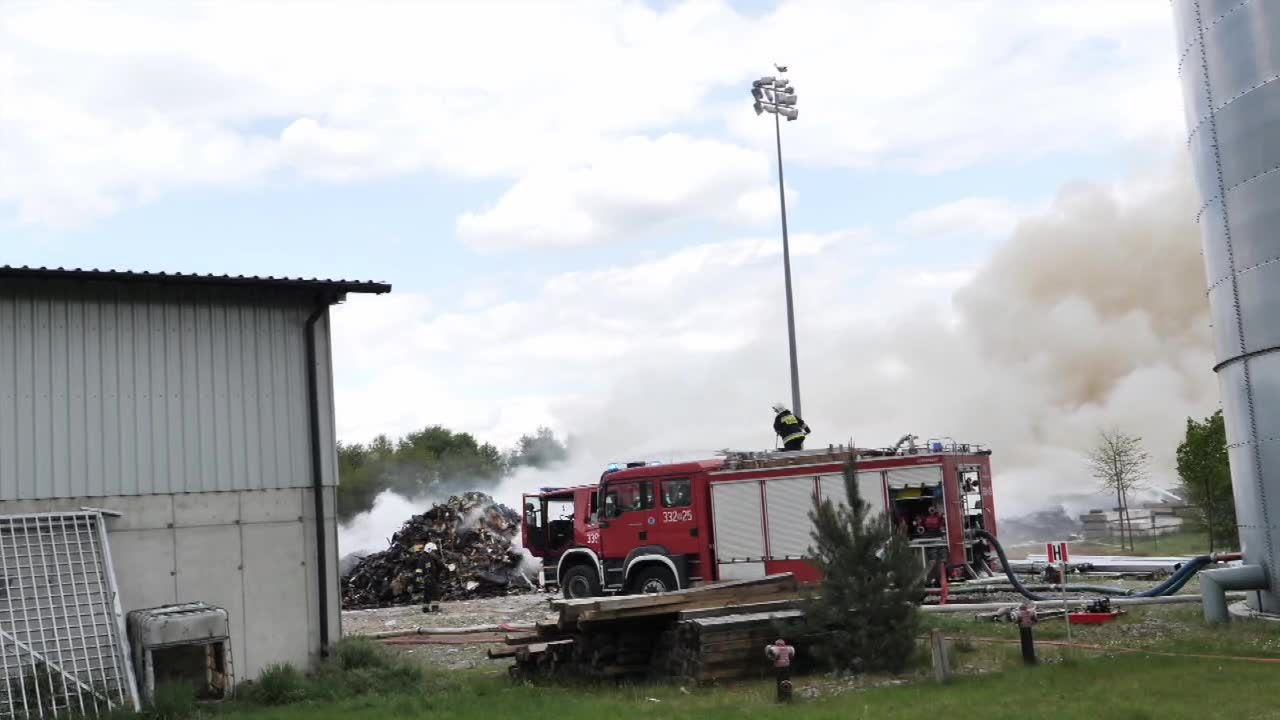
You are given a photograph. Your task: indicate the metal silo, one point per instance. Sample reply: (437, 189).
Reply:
(1229, 63)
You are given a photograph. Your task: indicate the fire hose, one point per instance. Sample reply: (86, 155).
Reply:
(1171, 585)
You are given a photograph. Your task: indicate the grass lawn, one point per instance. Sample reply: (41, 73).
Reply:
(1105, 687)
(1166, 628)
(991, 683)
(1180, 543)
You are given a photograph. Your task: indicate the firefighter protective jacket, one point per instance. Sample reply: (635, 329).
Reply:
(789, 427)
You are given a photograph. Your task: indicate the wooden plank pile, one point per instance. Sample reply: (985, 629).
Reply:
(704, 633)
(722, 647)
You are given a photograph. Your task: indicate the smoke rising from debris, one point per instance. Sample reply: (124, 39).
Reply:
(371, 531)
(1092, 314)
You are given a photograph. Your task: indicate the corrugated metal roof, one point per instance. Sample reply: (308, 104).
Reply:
(129, 276)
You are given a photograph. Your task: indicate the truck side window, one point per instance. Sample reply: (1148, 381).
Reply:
(626, 497)
(675, 493)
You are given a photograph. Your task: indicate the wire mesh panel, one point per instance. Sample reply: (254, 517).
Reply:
(62, 642)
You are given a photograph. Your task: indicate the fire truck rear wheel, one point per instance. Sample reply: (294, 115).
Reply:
(580, 581)
(654, 579)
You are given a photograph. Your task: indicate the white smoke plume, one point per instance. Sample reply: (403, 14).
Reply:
(1091, 315)
(371, 531)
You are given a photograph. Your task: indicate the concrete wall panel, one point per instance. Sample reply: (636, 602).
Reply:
(209, 569)
(271, 506)
(146, 559)
(211, 508)
(275, 590)
(251, 552)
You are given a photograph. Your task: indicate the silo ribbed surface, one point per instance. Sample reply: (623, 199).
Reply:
(1229, 63)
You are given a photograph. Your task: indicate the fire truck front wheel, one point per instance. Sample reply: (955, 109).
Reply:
(580, 581)
(653, 579)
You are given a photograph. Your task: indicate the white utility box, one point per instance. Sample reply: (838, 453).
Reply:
(189, 644)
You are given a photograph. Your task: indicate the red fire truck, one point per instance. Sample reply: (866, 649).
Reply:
(649, 527)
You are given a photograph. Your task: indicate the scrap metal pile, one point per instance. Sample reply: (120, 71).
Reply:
(457, 550)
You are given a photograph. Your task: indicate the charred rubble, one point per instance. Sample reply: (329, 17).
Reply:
(458, 549)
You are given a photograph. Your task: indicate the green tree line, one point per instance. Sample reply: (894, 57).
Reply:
(1205, 476)
(434, 461)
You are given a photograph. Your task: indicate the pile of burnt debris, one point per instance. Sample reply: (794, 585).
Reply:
(457, 550)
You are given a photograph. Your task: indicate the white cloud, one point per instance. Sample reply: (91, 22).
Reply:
(760, 207)
(935, 86)
(980, 216)
(628, 187)
(408, 363)
(109, 105)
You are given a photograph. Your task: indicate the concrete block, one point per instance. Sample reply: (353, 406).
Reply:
(258, 506)
(144, 563)
(275, 589)
(24, 507)
(209, 569)
(330, 503)
(139, 512)
(208, 508)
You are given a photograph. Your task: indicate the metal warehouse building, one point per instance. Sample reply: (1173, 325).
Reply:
(201, 409)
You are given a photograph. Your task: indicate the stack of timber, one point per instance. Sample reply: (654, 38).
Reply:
(702, 633)
(730, 646)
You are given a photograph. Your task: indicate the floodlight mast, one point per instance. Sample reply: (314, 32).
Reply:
(775, 95)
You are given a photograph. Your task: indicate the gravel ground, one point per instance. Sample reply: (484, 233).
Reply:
(527, 608)
(455, 653)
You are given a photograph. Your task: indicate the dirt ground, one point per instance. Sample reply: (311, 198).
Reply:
(456, 652)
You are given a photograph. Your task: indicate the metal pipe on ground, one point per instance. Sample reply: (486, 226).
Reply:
(1170, 586)
(465, 630)
(1047, 587)
(1077, 602)
(1214, 585)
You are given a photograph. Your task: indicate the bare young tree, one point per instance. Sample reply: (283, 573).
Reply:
(1120, 463)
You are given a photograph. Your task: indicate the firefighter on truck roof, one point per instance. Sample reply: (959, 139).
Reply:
(789, 427)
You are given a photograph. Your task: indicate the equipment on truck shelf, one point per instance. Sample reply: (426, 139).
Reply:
(646, 527)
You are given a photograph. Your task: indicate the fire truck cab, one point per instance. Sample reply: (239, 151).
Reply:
(650, 527)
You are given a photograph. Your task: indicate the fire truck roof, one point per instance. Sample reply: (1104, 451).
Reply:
(648, 471)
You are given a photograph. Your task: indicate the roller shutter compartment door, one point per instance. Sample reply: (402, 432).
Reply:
(736, 510)
(915, 476)
(870, 489)
(789, 501)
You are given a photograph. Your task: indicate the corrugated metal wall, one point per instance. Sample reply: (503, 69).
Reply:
(117, 390)
(1229, 58)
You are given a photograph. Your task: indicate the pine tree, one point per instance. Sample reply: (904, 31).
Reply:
(865, 618)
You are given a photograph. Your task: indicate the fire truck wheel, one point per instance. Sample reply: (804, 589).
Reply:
(654, 579)
(580, 581)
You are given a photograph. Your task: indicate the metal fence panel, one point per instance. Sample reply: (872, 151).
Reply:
(63, 647)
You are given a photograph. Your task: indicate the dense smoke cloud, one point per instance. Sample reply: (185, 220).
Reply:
(1091, 314)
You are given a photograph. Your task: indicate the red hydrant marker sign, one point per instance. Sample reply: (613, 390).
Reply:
(1057, 553)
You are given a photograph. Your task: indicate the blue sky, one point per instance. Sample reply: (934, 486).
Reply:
(401, 229)
(577, 199)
